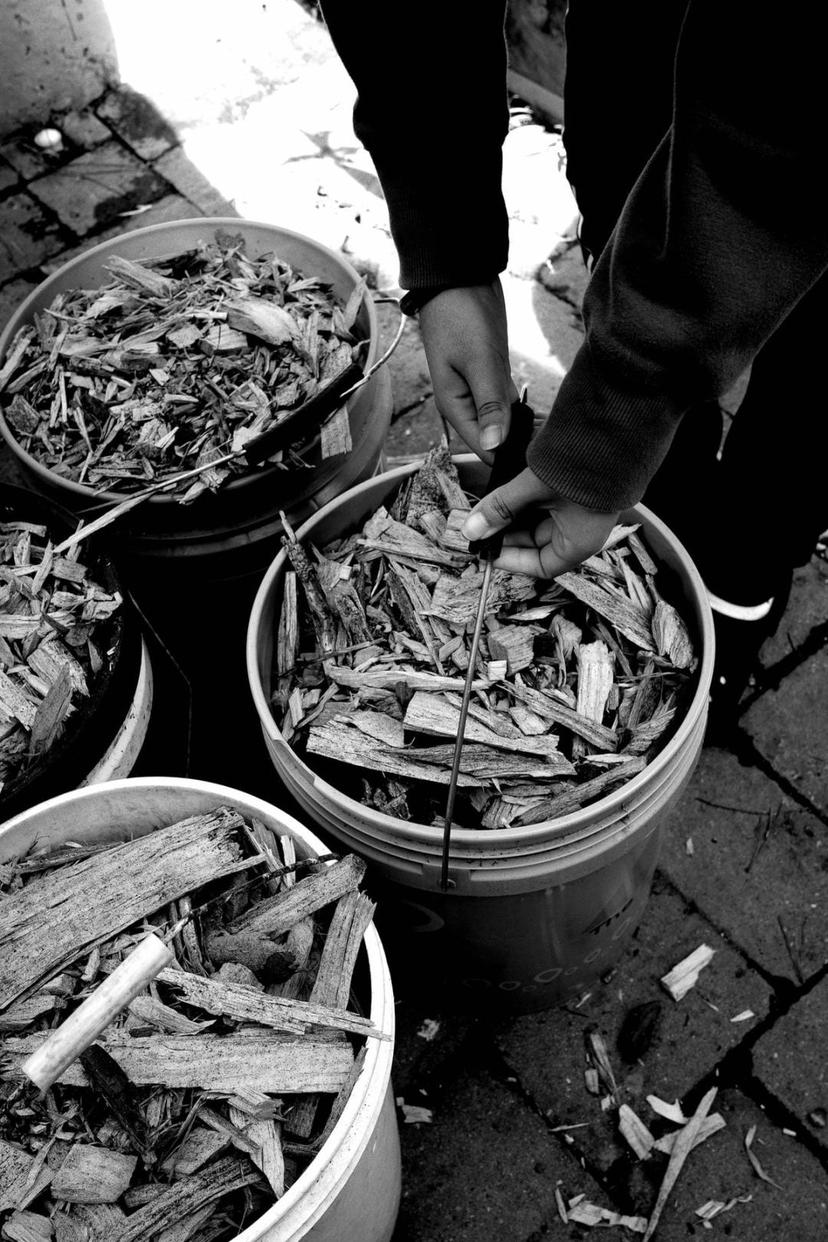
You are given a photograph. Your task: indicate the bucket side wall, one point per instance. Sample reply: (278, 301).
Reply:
(119, 810)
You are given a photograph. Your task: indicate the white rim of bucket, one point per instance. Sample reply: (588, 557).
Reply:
(506, 840)
(316, 1188)
(23, 315)
(122, 753)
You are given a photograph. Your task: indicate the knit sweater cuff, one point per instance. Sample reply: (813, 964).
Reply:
(602, 443)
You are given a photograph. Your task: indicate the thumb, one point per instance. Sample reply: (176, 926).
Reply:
(493, 417)
(492, 391)
(500, 508)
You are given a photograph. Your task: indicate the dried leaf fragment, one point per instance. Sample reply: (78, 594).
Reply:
(754, 1159)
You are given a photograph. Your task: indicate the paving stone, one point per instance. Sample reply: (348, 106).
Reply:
(181, 173)
(484, 1169)
(407, 366)
(790, 1060)
(785, 725)
(11, 295)
(94, 189)
(27, 238)
(758, 858)
(565, 274)
(539, 200)
(807, 608)
(172, 207)
(8, 176)
(719, 1169)
(545, 333)
(138, 122)
(28, 160)
(546, 1050)
(419, 430)
(427, 1039)
(83, 129)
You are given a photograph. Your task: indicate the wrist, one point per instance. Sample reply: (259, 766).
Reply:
(412, 302)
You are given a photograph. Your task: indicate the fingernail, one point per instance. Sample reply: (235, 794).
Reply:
(476, 527)
(491, 436)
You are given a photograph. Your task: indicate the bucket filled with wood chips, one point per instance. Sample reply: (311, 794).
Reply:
(196, 1024)
(76, 684)
(155, 364)
(586, 721)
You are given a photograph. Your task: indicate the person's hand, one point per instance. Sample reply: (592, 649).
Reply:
(553, 535)
(466, 346)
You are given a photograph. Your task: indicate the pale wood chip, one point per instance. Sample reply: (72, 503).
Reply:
(685, 974)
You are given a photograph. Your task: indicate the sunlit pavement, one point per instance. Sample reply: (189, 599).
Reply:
(244, 110)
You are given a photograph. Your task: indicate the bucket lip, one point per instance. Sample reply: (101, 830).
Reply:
(27, 307)
(316, 1178)
(473, 841)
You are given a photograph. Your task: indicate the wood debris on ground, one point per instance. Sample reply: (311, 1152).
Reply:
(685, 974)
(581, 1212)
(644, 1144)
(207, 1096)
(579, 681)
(754, 1159)
(683, 1145)
(59, 632)
(174, 362)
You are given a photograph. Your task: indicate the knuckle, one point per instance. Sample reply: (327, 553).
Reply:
(500, 506)
(490, 409)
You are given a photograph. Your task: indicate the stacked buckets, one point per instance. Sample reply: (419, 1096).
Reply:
(534, 914)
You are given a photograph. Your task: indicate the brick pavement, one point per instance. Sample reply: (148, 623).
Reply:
(744, 864)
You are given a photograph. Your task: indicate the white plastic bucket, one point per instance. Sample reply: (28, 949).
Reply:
(122, 753)
(535, 914)
(350, 1192)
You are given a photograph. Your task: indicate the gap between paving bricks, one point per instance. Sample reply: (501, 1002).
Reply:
(772, 677)
(477, 1050)
(736, 1069)
(743, 748)
(779, 985)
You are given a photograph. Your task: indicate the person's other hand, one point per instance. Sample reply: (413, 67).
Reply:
(466, 345)
(552, 534)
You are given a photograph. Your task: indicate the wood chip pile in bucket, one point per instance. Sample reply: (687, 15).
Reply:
(57, 643)
(173, 363)
(205, 1099)
(580, 680)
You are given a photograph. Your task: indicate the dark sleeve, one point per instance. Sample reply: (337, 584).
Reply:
(725, 230)
(432, 112)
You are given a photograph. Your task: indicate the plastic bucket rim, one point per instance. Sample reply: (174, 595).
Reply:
(21, 316)
(379, 1053)
(471, 837)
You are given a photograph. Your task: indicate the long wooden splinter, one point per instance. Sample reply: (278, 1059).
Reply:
(83, 1027)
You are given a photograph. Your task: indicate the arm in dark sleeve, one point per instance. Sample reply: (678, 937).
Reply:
(725, 230)
(432, 112)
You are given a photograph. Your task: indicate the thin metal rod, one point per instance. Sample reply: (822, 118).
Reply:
(461, 728)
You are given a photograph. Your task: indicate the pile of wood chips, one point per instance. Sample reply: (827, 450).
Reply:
(218, 1085)
(579, 681)
(56, 641)
(173, 363)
